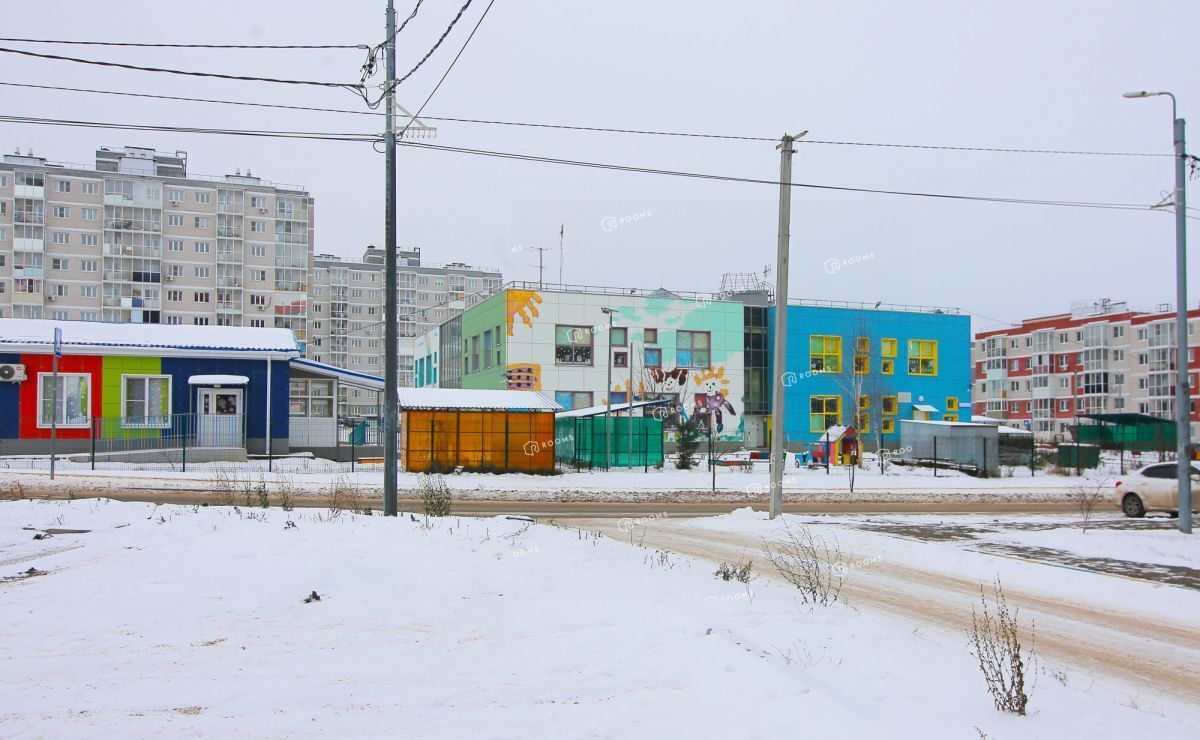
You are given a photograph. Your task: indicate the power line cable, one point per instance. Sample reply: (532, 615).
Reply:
(368, 68)
(311, 135)
(436, 44)
(597, 129)
(184, 46)
(372, 138)
(760, 181)
(56, 57)
(454, 61)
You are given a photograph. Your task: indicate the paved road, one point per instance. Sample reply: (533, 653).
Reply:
(1128, 644)
(598, 509)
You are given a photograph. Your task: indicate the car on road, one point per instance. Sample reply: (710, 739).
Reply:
(1154, 488)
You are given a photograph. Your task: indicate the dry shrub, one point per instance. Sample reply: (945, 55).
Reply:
(1087, 495)
(435, 495)
(996, 644)
(739, 572)
(224, 484)
(345, 495)
(285, 487)
(809, 563)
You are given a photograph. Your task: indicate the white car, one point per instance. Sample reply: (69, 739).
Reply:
(1154, 488)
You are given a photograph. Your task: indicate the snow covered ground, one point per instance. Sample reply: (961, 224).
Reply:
(314, 476)
(170, 621)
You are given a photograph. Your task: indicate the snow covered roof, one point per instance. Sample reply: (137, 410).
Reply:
(926, 408)
(218, 380)
(349, 377)
(946, 423)
(983, 419)
(464, 398)
(1005, 429)
(37, 335)
(598, 410)
(834, 433)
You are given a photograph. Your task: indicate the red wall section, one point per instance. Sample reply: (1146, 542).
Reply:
(35, 364)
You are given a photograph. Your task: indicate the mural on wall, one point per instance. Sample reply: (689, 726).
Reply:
(523, 303)
(712, 398)
(523, 376)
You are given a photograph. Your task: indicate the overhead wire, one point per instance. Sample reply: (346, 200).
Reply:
(445, 74)
(189, 73)
(158, 45)
(598, 129)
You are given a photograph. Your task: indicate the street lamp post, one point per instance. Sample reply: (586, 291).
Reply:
(608, 392)
(1182, 396)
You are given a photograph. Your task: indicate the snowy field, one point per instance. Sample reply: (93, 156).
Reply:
(312, 476)
(190, 621)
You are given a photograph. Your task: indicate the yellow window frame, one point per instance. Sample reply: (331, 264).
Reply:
(952, 404)
(949, 417)
(827, 350)
(864, 403)
(829, 406)
(887, 367)
(887, 347)
(862, 364)
(862, 345)
(862, 423)
(889, 402)
(888, 426)
(922, 357)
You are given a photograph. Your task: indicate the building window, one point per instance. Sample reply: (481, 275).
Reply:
(949, 417)
(862, 364)
(887, 367)
(146, 401)
(887, 426)
(203, 197)
(824, 412)
(200, 297)
(61, 237)
(91, 188)
(70, 407)
(89, 240)
(652, 357)
(650, 336)
(862, 345)
(203, 247)
(573, 399)
(311, 398)
(174, 219)
(693, 349)
(572, 345)
(60, 212)
(619, 336)
(201, 222)
(824, 354)
(59, 263)
(887, 348)
(62, 186)
(862, 423)
(620, 359)
(888, 405)
(951, 404)
(200, 320)
(922, 357)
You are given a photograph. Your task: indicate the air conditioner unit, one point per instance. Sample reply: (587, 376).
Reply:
(12, 373)
(262, 308)
(174, 202)
(50, 299)
(169, 278)
(262, 210)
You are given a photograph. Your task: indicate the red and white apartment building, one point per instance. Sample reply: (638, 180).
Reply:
(1102, 357)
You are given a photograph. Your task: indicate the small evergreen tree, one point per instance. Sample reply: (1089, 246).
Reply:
(688, 442)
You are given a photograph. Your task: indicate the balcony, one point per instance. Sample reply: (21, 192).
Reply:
(29, 245)
(25, 217)
(29, 191)
(29, 272)
(117, 199)
(229, 282)
(233, 306)
(229, 233)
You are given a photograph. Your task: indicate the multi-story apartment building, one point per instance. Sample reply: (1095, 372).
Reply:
(347, 306)
(1099, 358)
(135, 238)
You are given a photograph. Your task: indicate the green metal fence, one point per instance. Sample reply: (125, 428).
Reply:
(581, 442)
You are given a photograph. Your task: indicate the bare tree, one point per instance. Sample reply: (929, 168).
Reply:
(863, 383)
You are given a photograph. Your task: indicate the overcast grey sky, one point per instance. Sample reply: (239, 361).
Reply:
(1002, 74)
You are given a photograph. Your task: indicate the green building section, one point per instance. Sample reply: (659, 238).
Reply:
(483, 324)
(111, 411)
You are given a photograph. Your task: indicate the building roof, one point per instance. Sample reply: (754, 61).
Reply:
(947, 423)
(37, 336)
(463, 398)
(349, 377)
(599, 410)
(218, 380)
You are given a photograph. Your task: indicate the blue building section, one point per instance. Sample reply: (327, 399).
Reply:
(914, 364)
(9, 401)
(255, 402)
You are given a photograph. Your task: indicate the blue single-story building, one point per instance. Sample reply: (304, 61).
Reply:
(127, 390)
(868, 367)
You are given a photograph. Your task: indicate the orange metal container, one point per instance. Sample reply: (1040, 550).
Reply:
(489, 441)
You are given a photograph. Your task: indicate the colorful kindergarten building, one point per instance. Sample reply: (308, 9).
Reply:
(149, 392)
(870, 366)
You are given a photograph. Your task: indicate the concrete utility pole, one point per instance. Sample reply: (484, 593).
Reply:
(778, 406)
(391, 327)
(1183, 412)
(608, 393)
